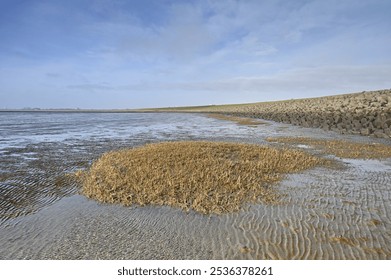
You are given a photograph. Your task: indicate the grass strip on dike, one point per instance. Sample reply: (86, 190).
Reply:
(208, 177)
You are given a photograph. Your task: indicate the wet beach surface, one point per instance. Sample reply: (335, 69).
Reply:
(324, 213)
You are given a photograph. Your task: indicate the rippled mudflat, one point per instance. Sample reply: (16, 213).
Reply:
(324, 213)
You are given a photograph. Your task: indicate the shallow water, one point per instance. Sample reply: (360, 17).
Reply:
(325, 213)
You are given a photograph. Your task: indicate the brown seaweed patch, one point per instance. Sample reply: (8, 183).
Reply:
(208, 177)
(245, 250)
(343, 240)
(341, 148)
(328, 216)
(377, 250)
(238, 120)
(374, 222)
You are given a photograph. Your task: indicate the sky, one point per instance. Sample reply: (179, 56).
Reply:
(117, 54)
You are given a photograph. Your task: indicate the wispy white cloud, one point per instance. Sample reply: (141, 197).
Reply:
(251, 48)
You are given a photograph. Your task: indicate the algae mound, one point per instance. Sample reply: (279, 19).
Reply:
(208, 177)
(341, 148)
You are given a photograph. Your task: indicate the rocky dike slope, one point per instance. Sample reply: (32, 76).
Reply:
(365, 113)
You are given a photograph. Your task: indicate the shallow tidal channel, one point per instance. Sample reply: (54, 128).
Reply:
(343, 212)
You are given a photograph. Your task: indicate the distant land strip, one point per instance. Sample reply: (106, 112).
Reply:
(367, 113)
(38, 110)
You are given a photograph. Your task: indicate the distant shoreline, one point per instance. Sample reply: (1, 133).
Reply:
(367, 113)
(192, 109)
(68, 111)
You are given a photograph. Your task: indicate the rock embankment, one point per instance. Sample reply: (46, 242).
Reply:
(365, 113)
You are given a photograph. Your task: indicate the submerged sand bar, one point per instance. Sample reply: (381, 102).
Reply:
(208, 177)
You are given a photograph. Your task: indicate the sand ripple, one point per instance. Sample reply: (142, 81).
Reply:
(338, 214)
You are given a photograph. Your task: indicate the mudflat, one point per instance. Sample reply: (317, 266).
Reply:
(340, 211)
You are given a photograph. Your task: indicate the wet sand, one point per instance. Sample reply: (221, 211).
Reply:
(324, 213)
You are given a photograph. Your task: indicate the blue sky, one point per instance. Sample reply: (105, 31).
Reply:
(136, 54)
